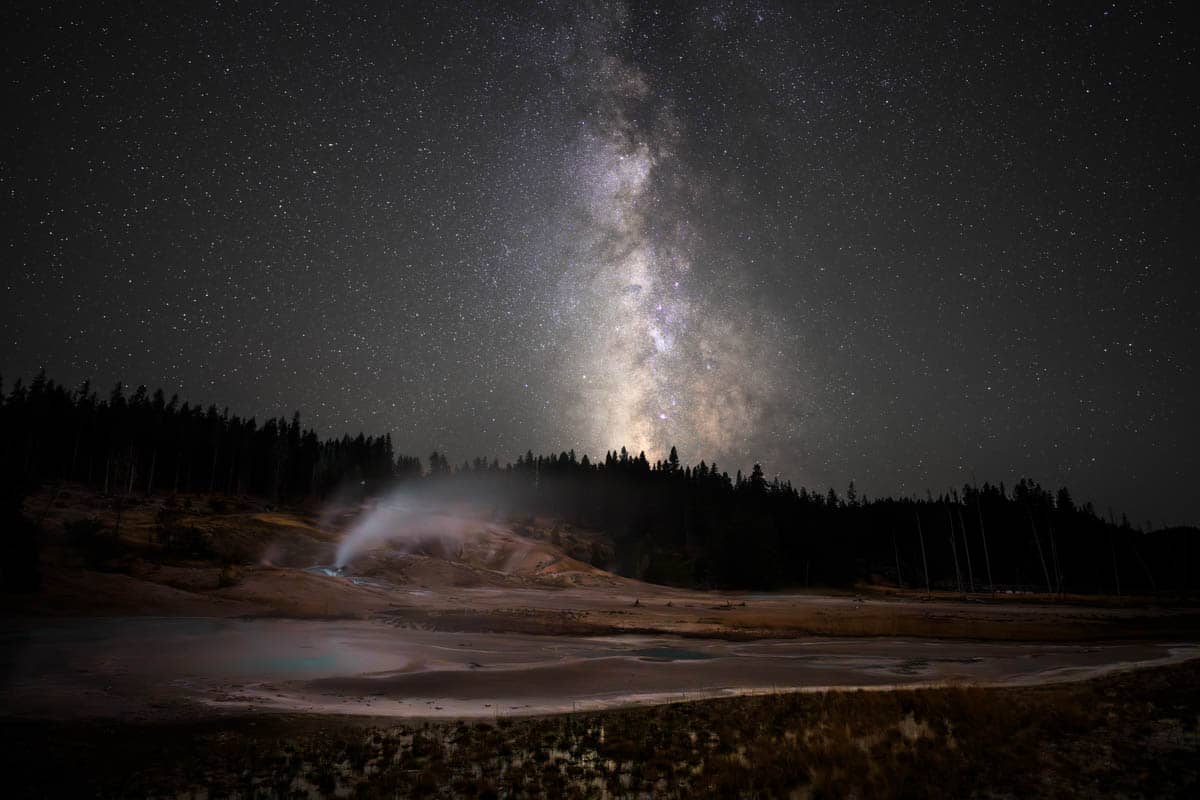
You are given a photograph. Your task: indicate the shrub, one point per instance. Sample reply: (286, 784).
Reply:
(185, 540)
(230, 576)
(88, 534)
(80, 532)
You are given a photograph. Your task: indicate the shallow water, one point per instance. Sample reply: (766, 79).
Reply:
(670, 654)
(148, 667)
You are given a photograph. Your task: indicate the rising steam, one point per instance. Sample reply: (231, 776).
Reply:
(408, 523)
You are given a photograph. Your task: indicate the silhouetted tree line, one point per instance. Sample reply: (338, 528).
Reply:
(697, 525)
(138, 442)
(670, 523)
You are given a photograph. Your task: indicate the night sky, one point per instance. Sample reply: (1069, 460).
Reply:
(891, 247)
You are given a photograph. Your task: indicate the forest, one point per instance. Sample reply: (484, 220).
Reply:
(670, 523)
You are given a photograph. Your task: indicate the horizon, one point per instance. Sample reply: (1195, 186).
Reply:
(454, 464)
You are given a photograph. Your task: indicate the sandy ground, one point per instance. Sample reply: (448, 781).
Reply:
(148, 668)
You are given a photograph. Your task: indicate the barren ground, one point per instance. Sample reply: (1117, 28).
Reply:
(498, 619)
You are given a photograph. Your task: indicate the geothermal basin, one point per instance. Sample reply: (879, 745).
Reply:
(154, 668)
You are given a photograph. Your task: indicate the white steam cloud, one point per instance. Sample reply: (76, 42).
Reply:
(407, 523)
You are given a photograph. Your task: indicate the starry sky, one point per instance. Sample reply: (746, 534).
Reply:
(899, 247)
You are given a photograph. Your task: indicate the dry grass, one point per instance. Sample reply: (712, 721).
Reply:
(1135, 734)
(940, 621)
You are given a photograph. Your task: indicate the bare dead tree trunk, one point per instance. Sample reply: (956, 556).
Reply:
(954, 550)
(1058, 576)
(212, 473)
(49, 505)
(75, 452)
(1145, 567)
(987, 558)
(233, 460)
(924, 561)
(153, 466)
(1112, 549)
(966, 548)
(896, 553)
(1041, 557)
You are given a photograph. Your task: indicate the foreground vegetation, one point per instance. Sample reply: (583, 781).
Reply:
(1135, 734)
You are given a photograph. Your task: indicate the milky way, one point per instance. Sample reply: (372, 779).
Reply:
(899, 247)
(642, 373)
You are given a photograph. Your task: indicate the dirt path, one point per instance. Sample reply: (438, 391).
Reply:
(159, 668)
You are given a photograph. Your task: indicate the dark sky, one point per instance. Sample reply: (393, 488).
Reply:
(851, 243)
